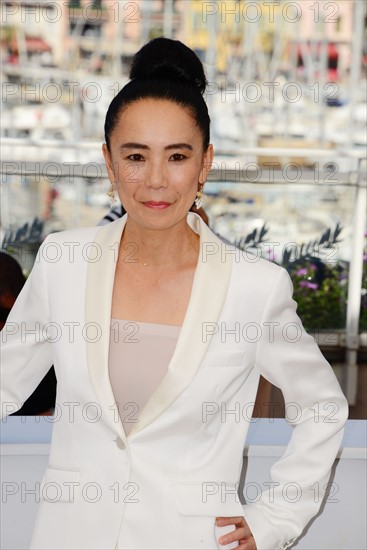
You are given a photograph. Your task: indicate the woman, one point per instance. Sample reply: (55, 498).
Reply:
(158, 332)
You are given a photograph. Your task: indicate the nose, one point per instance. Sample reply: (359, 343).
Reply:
(156, 175)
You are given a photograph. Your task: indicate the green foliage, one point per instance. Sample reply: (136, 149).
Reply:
(320, 291)
(320, 279)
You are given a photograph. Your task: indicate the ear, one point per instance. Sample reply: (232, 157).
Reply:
(207, 163)
(108, 161)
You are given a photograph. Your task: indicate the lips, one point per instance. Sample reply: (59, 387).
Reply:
(157, 205)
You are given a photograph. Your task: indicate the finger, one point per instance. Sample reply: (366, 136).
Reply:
(236, 520)
(223, 520)
(237, 535)
(248, 532)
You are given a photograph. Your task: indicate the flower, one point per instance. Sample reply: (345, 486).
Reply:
(307, 284)
(302, 271)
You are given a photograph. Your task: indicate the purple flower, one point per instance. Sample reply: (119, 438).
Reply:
(313, 267)
(302, 271)
(307, 284)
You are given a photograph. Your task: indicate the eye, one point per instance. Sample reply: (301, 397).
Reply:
(135, 157)
(178, 156)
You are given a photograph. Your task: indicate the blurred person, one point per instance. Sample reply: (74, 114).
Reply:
(154, 363)
(11, 283)
(42, 400)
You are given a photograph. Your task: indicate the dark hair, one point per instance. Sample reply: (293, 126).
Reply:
(11, 282)
(11, 278)
(164, 69)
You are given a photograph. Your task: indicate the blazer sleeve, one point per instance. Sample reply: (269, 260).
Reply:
(316, 408)
(25, 349)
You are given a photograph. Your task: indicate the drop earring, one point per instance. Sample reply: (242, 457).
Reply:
(111, 194)
(198, 199)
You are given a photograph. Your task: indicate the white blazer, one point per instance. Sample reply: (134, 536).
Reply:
(162, 486)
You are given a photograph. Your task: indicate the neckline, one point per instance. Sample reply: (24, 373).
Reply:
(144, 323)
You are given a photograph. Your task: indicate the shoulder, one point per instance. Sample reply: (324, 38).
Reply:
(68, 246)
(255, 273)
(84, 244)
(247, 266)
(245, 261)
(83, 234)
(86, 235)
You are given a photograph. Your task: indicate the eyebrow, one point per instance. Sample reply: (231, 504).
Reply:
(132, 145)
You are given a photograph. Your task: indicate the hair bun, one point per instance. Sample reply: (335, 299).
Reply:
(167, 59)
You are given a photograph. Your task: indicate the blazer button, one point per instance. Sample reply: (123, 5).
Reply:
(120, 443)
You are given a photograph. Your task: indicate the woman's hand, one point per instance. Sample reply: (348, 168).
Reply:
(242, 533)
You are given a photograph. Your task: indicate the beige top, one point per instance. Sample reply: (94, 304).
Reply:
(139, 356)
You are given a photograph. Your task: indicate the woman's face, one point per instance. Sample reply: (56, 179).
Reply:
(156, 162)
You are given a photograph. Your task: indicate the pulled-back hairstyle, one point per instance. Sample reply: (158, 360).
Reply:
(164, 69)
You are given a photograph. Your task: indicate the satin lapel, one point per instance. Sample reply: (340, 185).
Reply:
(207, 298)
(98, 301)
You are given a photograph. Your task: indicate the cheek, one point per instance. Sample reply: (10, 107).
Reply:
(185, 176)
(130, 174)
